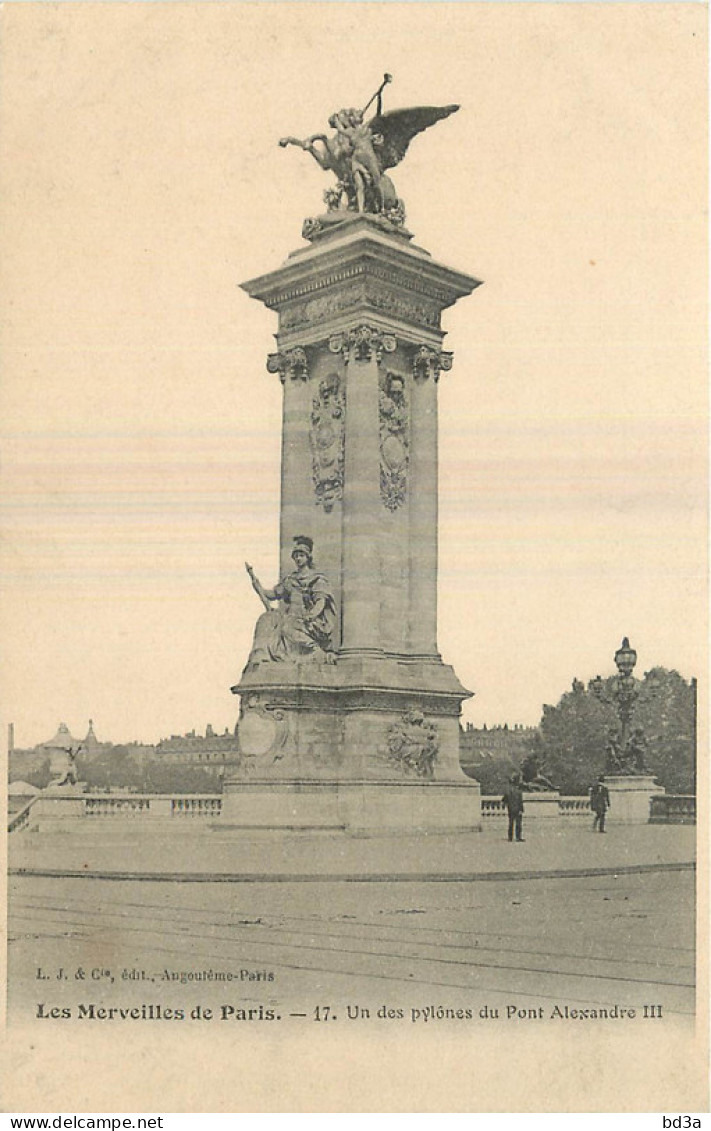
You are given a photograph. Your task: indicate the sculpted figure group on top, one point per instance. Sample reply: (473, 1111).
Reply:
(360, 151)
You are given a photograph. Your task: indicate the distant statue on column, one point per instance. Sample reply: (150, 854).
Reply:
(70, 776)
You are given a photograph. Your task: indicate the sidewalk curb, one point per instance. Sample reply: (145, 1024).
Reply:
(351, 877)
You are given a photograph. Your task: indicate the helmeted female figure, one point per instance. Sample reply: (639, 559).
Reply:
(304, 622)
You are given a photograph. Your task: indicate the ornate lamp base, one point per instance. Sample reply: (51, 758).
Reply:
(630, 797)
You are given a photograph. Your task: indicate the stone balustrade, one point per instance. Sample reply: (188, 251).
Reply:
(664, 808)
(196, 806)
(21, 819)
(574, 806)
(492, 807)
(117, 806)
(539, 805)
(54, 808)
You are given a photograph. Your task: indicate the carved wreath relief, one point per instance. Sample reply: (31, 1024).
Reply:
(327, 441)
(394, 441)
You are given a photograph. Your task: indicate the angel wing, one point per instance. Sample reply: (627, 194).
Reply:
(398, 127)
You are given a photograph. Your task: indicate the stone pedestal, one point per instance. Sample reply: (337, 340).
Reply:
(630, 797)
(359, 357)
(359, 808)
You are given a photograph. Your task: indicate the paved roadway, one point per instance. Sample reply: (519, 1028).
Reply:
(187, 848)
(524, 944)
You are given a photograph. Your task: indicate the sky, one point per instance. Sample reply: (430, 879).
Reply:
(140, 431)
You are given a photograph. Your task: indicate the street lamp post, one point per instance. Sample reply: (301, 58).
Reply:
(626, 692)
(626, 749)
(630, 783)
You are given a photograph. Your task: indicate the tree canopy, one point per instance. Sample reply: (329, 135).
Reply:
(572, 736)
(115, 767)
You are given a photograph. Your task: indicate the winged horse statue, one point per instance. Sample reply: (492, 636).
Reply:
(360, 151)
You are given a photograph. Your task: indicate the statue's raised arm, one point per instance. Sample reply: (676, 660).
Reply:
(258, 587)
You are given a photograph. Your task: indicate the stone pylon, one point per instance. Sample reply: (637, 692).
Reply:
(371, 739)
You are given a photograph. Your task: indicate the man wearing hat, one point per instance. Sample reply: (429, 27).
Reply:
(599, 803)
(513, 800)
(305, 623)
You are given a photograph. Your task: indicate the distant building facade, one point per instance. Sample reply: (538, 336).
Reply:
(210, 752)
(477, 743)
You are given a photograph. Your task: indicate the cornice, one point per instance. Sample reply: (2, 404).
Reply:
(364, 257)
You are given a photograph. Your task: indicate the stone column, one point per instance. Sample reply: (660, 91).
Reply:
(426, 367)
(292, 367)
(362, 349)
(360, 302)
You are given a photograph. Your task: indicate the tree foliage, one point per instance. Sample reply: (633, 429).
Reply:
(116, 767)
(572, 737)
(110, 768)
(491, 772)
(171, 777)
(666, 710)
(36, 774)
(571, 740)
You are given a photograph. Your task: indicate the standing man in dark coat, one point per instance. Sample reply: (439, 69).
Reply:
(599, 803)
(513, 800)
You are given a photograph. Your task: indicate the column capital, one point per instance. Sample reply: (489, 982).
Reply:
(291, 363)
(429, 362)
(362, 343)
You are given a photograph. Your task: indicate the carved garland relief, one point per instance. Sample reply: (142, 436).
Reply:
(328, 409)
(412, 308)
(394, 441)
(322, 306)
(327, 441)
(383, 298)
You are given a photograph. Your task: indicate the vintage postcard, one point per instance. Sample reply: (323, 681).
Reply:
(354, 463)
